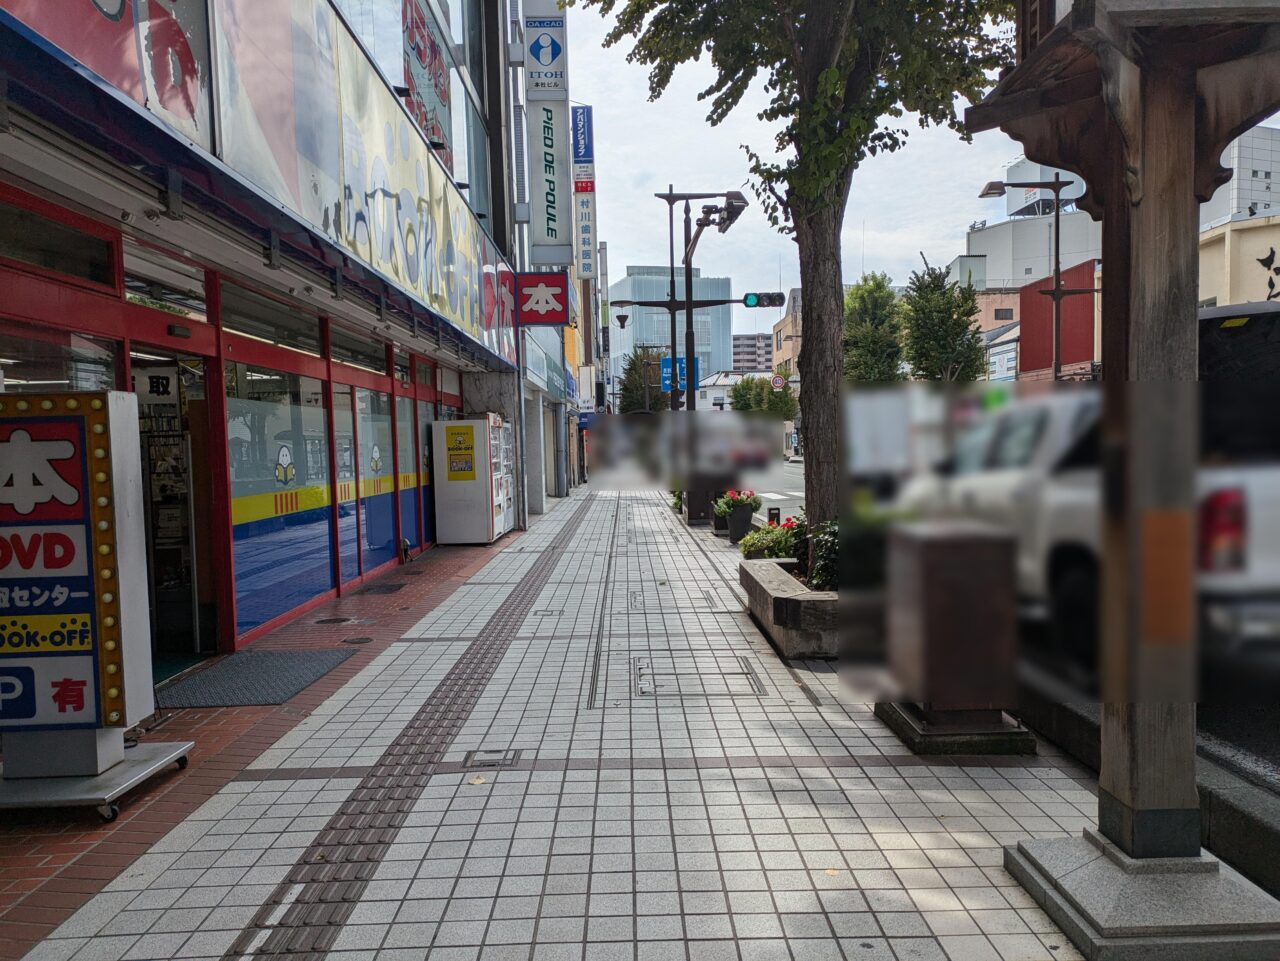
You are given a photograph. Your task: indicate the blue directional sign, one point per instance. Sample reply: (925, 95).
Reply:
(666, 373)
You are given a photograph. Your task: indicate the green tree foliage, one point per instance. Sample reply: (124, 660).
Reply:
(940, 329)
(643, 366)
(841, 75)
(872, 340)
(755, 395)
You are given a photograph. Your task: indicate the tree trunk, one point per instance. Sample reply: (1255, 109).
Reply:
(822, 326)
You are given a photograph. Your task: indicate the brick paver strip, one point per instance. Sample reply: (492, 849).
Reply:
(305, 914)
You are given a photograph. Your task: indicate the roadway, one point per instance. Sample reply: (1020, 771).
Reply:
(781, 485)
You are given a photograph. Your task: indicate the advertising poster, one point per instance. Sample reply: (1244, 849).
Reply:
(460, 443)
(428, 77)
(48, 617)
(157, 53)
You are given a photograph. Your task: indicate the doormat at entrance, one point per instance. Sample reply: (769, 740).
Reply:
(252, 677)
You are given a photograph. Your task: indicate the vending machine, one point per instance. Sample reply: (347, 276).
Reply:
(474, 480)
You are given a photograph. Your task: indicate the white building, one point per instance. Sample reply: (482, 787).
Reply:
(713, 392)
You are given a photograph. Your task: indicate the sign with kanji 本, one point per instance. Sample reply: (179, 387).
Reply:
(73, 602)
(542, 299)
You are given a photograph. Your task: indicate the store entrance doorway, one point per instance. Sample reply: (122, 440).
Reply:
(173, 420)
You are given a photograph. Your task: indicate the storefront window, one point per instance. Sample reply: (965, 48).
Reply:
(358, 350)
(407, 451)
(344, 439)
(269, 320)
(278, 443)
(39, 359)
(377, 477)
(40, 242)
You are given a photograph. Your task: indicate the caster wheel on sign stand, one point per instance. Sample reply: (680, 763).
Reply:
(109, 812)
(182, 763)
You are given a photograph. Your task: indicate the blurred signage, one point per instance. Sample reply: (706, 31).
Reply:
(73, 591)
(542, 299)
(584, 191)
(155, 52)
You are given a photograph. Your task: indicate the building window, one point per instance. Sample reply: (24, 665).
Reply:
(41, 359)
(1004, 313)
(40, 242)
(265, 319)
(357, 350)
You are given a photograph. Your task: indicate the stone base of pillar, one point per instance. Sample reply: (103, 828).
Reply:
(1117, 908)
(956, 732)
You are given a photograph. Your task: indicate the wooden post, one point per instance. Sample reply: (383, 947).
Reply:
(1147, 800)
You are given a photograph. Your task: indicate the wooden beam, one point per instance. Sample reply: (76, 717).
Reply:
(1163, 13)
(1232, 98)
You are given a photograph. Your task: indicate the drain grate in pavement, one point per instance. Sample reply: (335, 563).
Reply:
(380, 588)
(357, 640)
(334, 620)
(693, 677)
(252, 677)
(490, 758)
(305, 914)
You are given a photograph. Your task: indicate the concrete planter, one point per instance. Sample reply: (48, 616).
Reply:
(800, 622)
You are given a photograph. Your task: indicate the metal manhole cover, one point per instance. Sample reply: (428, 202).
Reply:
(547, 613)
(357, 640)
(380, 589)
(334, 620)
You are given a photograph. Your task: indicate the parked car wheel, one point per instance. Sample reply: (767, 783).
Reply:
(1074, 616)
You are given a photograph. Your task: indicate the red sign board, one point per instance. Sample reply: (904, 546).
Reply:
(542, 300)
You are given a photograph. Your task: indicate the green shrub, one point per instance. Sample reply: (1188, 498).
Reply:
(677, 501)
(774, 541)
(825, 575)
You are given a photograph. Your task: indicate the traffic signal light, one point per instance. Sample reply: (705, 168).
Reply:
(764, 300)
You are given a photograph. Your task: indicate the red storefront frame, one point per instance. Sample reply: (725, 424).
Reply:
(47, 299)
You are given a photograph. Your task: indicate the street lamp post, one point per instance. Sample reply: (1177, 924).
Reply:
(722, 217)
(1057, 185)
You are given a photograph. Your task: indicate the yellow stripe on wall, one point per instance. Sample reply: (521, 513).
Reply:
(281, 503)
(408, 481)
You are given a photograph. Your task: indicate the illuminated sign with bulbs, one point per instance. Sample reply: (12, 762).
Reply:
(75, 646)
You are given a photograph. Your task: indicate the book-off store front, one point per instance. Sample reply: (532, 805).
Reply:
(286, 415)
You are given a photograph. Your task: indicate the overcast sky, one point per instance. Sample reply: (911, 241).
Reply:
(921, 199)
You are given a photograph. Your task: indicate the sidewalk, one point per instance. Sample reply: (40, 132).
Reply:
(573, 747)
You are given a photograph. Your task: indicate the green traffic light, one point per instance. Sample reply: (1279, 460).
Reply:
(751, 300)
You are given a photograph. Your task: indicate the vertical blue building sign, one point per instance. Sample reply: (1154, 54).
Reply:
(584, 191)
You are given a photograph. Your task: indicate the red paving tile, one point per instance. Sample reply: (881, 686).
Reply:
(53, 862)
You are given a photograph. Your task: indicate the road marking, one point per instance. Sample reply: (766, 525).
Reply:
(795, 494)
(774, 497)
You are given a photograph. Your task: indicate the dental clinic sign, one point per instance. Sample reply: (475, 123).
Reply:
(74, 637)
(584, 191)
(546, 85)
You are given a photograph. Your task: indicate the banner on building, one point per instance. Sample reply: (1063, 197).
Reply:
(157, 53)
(543, 299)
(550, 197)
(584, 192)
(75, 633)
(428, 77)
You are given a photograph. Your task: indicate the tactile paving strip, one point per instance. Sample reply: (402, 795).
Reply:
(306, 913)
